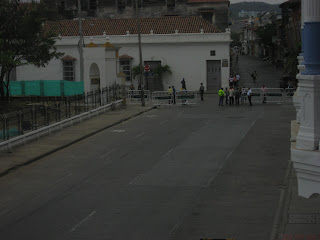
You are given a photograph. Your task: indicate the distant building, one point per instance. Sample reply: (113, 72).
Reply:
(213, 11)
(111, 47)
(244, 14)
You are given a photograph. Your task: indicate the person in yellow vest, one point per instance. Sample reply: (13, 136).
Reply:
(170, 93)
(221, 96)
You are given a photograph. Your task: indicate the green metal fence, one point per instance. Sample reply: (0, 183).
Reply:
(46, 88)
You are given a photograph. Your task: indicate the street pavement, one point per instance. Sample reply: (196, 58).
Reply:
(268, 74)
(179, 172)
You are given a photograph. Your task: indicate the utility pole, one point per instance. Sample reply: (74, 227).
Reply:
(80, 44)
(140, 55)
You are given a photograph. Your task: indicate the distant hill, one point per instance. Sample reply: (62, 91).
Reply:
(252, 6)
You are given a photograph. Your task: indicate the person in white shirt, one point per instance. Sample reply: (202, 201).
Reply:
(231, 81)
(249, 96)
(238, 77)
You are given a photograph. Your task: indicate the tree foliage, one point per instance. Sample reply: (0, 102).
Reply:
(22, 38)
(265, 33)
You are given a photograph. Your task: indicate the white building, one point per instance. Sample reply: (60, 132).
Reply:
(192, 47)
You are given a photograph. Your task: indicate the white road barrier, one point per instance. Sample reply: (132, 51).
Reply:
(134, 96)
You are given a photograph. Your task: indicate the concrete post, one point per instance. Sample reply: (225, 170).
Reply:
(309, 79)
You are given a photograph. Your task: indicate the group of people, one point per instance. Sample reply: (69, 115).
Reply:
(233, 96)
(234, 80)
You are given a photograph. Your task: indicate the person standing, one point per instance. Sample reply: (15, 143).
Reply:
(174, 94)
(238, 77)
(183, 84)
(231, 96)
(221, 96)
(230, 81)
(201, 90)
(249, 96)
(237, 96)
(264, 91)
(254, 76)
(235, 83)
(226, 94)
(170, 93)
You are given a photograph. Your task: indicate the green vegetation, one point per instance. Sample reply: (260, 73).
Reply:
(22, 39)
(265, 34)
(235, 39)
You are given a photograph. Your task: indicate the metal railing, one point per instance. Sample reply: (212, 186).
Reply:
(40, 114)
(186, 97)
(272, 95)
(180, 97)
(134, 96)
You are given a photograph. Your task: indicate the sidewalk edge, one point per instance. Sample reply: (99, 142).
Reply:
(34, 159)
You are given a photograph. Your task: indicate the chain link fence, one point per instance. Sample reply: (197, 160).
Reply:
(43, 111)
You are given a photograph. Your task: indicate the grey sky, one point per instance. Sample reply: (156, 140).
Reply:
(266, 1)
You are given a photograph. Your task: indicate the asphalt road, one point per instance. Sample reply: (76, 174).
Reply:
(171, 173)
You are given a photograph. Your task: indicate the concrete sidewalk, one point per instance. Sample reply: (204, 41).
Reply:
(35, 150)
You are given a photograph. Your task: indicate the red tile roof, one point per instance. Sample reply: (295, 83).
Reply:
(161, 25)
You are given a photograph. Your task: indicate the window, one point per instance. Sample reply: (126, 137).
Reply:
(212, 52)
(125, 67)
(68, 70)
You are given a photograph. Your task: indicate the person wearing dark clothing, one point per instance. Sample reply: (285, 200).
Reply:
(249, 96)
(201, 90)
(237, 96)
(254, 76)
(174, 94)
(183, 84)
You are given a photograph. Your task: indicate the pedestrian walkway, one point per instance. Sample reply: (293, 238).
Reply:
(268, 74)
(32, 151)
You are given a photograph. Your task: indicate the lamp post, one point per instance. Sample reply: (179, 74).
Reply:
(140, 55)
(80, 45)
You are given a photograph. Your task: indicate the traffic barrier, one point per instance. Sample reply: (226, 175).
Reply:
(273, 95)
(162, 98)
(134, 96)
(289, 92)
(186, 97)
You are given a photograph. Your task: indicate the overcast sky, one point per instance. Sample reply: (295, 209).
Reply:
(266, 1)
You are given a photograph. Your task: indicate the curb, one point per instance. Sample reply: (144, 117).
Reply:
(3, 173)
(280, 219)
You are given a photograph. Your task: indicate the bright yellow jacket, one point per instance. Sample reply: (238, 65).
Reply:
(221, 92)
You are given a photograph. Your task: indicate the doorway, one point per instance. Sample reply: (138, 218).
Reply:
(213, 75)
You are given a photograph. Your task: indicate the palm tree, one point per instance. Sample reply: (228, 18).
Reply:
(161, 70)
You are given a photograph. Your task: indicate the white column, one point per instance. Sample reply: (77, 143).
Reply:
(311, 10)
(309, 79)
(305, 153)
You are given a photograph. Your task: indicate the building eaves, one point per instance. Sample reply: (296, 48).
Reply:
(161, 25)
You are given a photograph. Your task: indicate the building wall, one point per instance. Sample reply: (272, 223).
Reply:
(186, 54)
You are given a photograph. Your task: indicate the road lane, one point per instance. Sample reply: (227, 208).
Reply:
(140, 183)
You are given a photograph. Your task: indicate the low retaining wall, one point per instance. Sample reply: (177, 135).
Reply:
(22, 139)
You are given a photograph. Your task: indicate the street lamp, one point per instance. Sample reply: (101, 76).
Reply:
(140, 55)
(80, 45)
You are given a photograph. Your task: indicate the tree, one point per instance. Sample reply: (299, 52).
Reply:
(235, 39)
(23, 39)
(265, 34)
